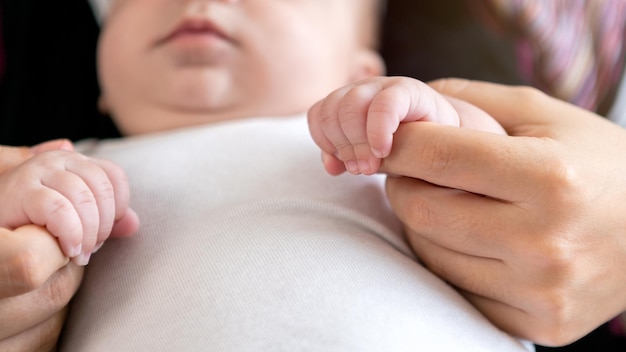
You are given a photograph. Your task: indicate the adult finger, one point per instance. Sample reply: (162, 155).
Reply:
(13, 156)
(23, 312)
(427, 209)
(29, 256)
(475, 161)
(528, 324)
(42, 337)
(497, 100)
(57, 144)
(479, 275)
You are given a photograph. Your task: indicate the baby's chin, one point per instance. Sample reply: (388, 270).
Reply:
(137, 120)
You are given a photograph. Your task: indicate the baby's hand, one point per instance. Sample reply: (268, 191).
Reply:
(77, 198)
(354, 125)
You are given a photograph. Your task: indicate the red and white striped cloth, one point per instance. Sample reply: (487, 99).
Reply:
(572, 49)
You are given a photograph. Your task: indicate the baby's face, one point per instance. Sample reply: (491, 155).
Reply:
(171, 63)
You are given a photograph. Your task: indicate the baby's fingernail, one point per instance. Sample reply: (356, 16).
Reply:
(352, 167)
(364, 166)
(97, 247)
(82, 259)
(378, 153)
(76, 251)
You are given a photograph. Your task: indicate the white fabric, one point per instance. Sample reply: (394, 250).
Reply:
(100, 8)
(247, 245)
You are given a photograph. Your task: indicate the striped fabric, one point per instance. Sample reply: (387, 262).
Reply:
(572, 49)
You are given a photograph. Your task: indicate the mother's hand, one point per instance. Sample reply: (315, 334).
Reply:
(536, 239)
(36, 284)
(36, 281)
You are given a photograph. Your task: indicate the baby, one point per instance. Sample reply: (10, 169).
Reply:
(354, 125)
(246, 243)
(212, 64)
(80, 200)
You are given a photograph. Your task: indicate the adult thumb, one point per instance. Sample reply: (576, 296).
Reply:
(13, 156)
(511, 106)
(56, 144)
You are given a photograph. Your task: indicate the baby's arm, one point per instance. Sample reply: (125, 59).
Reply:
(77, 198)
(354, 125)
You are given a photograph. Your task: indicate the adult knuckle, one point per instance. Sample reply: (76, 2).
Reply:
(527, 95)
(49, 332)
(559, 328)
(26, 270)
(555, 255)
(559, 181)
(59, 288)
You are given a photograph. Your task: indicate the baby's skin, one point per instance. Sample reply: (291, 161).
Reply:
(354, 125)
(80, 200)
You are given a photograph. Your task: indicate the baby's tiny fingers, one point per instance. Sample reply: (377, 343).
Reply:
(387, 110)
(314, 119)
(48, 208)
(101, 178)
(332, 165)
(333, 130)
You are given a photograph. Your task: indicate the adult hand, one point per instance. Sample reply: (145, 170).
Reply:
(127, 223)
(36, 279)
(531, 227)
(13, 156)
(36, 283)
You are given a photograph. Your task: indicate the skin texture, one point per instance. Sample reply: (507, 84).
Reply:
(256, 66)
(36, 279)
(354, 125)
(529, 227)
(154, 80)
(80, 200)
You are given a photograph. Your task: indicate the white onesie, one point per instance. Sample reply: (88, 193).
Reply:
(246, 244)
